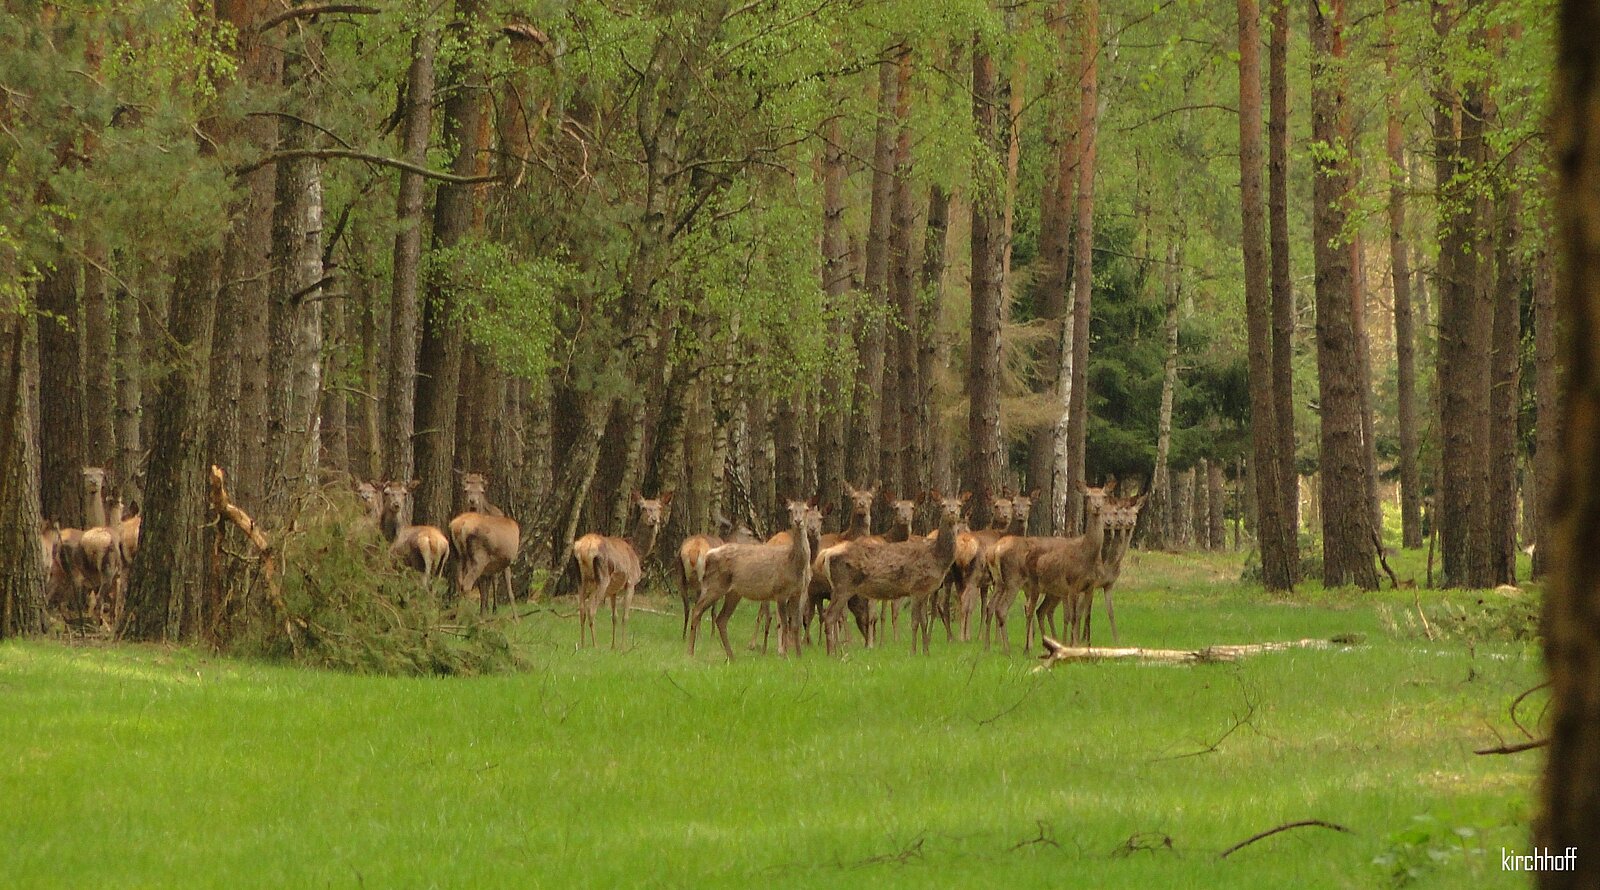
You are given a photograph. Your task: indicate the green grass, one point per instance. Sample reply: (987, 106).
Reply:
(142, 766)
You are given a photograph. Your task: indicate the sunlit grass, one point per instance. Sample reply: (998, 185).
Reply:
(139, 766)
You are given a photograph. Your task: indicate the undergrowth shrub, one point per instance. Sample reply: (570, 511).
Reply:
(1491, 617)
(352, 608)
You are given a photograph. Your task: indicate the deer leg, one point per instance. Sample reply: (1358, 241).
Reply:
(729, 603)
(701, 605)
(627, 609)
(1111, 618)
(762, 630)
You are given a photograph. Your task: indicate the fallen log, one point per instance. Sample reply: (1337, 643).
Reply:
(230, 512)
(1055, 652)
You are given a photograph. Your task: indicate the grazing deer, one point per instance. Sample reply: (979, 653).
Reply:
(100, 566)
(688, 564)
(609, 566)
(483, 543)
(878, 570)
(777, 573)
(421, 547)
(1066, 569)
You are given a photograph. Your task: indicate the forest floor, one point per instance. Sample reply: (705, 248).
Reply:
(149, 766)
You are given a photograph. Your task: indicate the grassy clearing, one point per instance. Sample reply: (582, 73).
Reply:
(136, 766)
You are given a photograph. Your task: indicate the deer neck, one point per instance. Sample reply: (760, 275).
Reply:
(799, 546)
(644, 538)
(389, 523)
(1095, 535)
(860, 524)
(96, 516)
(1018, 526)
(944, 544)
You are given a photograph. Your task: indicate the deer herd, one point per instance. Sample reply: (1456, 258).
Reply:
(947, 574)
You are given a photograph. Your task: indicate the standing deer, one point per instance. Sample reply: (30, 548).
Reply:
(1122, 520)
(878, 570)
(687, 567)
(609, 566)
(1066, 569)
(485, 541)
(774, 572)
(100, 566)
(421, 547)
(860, 528)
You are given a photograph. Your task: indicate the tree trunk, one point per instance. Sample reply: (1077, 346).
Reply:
(1505, 392)
(1215, 530)
(866, 420)
(401, 359)
(1275, 534)
(1183, 509)
(1570, 815)
(1083, 260)
(1464, 327)
(61, 421)
(1549, 346)
(1400, 266)
(164, 585)
(335, 409)
(1157, 531)
(1347, 534)
(1283, 302)
(933, 471)
(22, 568)
(130, 377)
(439, 357)
(837, 402)
(1358, 315)
(902, 471)
(1202, 505)
(982, 476)
(99, 389)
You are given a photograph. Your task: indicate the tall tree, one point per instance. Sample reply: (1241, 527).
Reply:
(1400, 268)
(1283, 302)
(22, 571)
(1077, 431)
(934, 470)
(1276, 536)
(440, 354)
(866, 419)
(984, 456)
(401, 355)
(836, 406)
(1465, 322)
(1570, 815)
(1348, 551)
(1549, 327)
(907, 305)
(1505, 382)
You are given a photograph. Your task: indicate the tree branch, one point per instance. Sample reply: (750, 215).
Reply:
(380, 160)
(1303, 823)
(302, 12)
(1514, 749)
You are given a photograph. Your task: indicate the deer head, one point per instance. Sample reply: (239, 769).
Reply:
(397, 501)
(371, 498)
(861, 499)
(475, 489)
(1000, 508)
(653, 511)
(905, 511)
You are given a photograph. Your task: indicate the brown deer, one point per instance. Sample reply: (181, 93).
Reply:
(860, 528)
(421, 547)
(1122, 520)
(610, 566)
(693, 547)
(1066, 569)
(903, 514)
(100, 565)
(878, 570)
(777, 573)
(965, 586)
(483, 544)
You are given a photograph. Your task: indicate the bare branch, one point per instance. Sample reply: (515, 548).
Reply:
(1303, 823)
(380, 160)
(302, 12)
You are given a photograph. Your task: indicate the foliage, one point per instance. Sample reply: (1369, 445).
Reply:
(356, 610)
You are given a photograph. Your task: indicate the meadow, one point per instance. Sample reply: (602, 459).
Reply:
(140, 766)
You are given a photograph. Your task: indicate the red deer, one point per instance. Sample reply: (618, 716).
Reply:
(503, 537)
(1122, 519)
(774, 572)
(688, 565)
(878, 570)
(611, 566)
(1066, 569)
(421, 547)
(99, 557)
(1010, 564)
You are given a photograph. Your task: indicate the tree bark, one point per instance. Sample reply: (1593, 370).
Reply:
(1157, 531)
(866, 419)
(130, 377)
(934, 470)
(1283, 300)
(401, 358)
(440, 354)
(335, 407)
(1215, 527)
(1505, 392)
(1550, 348)
(61, 422)
(100, 393)
(904, 463)
(1358, 316)
(1400, 267)
(1464, 326)
(837, 403)
(22, 568)
(1083, 260)
(1202, 505)
(984, 457)
(1276, 536)
(1570, 814)
(1347, 547)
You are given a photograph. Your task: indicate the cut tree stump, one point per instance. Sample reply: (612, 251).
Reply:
(1055, 652)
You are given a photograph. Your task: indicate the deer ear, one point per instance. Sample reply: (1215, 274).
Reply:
(637, 497)
(412, 485)
(1033, 494)
(666, 499)
(827, 508)
(888, 496)
(1080, 486)
(132, 510)
(966, 496)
